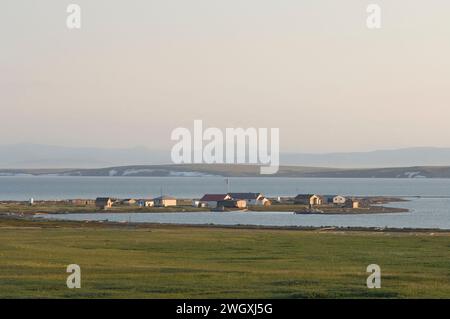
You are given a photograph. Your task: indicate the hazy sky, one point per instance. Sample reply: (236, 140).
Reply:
(137, 69)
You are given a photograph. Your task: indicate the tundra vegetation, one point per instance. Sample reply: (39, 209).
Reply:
(150, 261)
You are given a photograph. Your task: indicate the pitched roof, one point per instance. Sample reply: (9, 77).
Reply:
(213, 197)
(244, 195)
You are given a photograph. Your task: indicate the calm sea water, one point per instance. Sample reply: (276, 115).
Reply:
(48, 187)
(425, 213)
(429, 205)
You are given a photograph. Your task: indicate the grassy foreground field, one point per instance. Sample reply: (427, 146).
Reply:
(189, 262)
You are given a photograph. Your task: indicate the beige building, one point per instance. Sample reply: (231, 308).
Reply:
(317, 200)
(165, 201)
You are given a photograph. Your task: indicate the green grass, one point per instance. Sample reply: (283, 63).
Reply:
(62, 207)
(189, 262)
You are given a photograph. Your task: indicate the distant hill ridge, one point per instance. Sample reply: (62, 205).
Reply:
(44, 156)
(205, 170)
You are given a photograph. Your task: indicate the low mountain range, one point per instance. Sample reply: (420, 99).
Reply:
(205, 170)
(46, 156)
(33, 159)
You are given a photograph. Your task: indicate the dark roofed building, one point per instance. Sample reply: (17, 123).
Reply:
(257, 199)
(328, 199)
(214, 197)
(211, 200)
(103, 202)
(230, 203)
(245, 196)
(303, 199)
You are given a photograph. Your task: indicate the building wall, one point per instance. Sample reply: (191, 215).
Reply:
(303, 200)
(148, 203)
(241, 204)
(82, 202)
(211, 204)
(103, 205)
(169, 202)
(339, 200)
(316, 200)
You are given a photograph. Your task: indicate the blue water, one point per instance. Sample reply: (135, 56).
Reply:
(429, 198)
(425, 213)
(48, 187)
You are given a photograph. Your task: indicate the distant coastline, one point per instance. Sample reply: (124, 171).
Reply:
(237, 170)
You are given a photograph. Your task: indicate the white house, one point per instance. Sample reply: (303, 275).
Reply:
(198, 203)
(255, 199)
(317, 200)
(339, 200)
(145, 203)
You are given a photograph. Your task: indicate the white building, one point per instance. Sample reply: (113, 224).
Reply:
(146, 203)
(252, 199)
(339, 200)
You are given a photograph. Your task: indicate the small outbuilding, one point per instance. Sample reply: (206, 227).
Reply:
(103, 202)
(316, 200)
(146, 203)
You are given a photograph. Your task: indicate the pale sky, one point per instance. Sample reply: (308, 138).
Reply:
(138, 69)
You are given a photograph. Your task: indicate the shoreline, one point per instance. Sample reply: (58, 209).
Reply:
(34, 223)
(374, 205)
(363, 211)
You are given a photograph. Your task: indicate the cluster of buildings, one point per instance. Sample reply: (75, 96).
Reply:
(318, 200)
(230, 200)
(162, 201)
